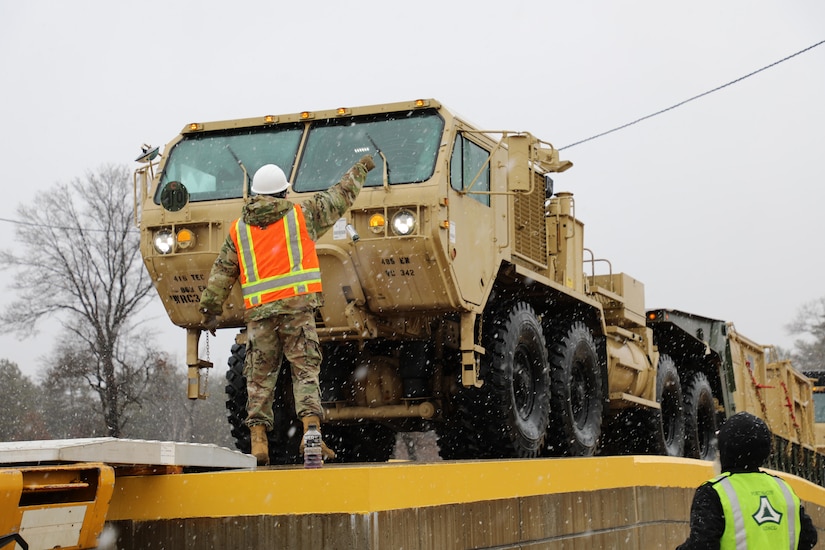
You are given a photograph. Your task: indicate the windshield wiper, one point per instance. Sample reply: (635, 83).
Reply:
(245, 173)
(386, 170)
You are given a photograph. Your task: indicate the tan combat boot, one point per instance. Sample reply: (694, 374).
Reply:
(260, 444)
(326, 452)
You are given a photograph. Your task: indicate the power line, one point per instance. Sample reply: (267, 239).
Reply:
(657, 113)
(63, 228)
(7, 220)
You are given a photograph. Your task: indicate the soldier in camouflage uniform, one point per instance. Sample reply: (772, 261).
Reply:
(285, 326)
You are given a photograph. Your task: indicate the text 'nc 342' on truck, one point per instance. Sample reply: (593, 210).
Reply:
(458, 294)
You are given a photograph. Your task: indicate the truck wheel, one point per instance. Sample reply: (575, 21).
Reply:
(577, 397)
(365, 442)
(700, 418)
(669, 430)
(519, 384)
(285, 438)
(236, 398)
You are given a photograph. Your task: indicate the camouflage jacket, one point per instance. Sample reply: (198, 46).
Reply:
(320, 212)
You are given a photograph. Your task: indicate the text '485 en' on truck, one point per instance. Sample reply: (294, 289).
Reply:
(458, 294)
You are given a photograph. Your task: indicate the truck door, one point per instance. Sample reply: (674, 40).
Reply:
(471, 230)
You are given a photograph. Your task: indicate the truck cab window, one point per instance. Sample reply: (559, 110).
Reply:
(409, 141)
(205, 164)
(466, 162)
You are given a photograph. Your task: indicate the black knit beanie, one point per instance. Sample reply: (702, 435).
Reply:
(744, 442)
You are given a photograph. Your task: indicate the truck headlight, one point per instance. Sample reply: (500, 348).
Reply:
(403, 222)
(164, 241)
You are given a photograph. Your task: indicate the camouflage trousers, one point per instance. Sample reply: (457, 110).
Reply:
(292, 336)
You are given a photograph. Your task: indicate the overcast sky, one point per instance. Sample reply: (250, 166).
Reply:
(715, 206)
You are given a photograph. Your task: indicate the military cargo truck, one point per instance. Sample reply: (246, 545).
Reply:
(724, 372)
(458, 292)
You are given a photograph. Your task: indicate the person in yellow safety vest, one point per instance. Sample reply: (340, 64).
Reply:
(270, 249)
(745, 508)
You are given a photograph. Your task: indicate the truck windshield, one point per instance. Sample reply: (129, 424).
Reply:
(409, 141)
(819, 407)
(207, 164)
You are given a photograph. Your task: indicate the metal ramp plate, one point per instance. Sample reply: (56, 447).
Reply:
(125, 452)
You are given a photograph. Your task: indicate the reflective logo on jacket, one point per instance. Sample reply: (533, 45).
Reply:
(278, 261)
(761, 511)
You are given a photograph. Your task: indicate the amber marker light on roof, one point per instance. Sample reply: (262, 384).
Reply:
(306, 115)
(270, 119)
(422, 103)
(194, 127)
(343, 111)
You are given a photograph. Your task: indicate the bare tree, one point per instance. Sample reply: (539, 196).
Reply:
(68, 403)
(72, 381)
(80, 263)
(809, 326)
(166, 413)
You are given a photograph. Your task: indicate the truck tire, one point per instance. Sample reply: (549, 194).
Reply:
(577, 394)
(518, 383)
(286, 435)
(700, 418)
(669, 422)
(651, 431)
(236, 398)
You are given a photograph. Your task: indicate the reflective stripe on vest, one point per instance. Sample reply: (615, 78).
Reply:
(752, 519)
(288, 265)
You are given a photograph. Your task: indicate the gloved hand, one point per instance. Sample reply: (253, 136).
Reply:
(367, 161)
(209, 322)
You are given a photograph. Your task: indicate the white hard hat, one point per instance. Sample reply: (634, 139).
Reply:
(268, 180)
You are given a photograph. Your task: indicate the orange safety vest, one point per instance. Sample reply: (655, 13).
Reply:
(278, 261)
